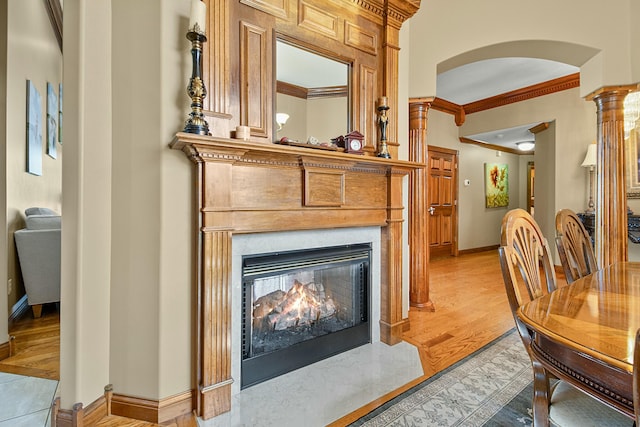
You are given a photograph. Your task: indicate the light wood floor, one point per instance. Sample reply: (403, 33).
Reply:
(471, 311)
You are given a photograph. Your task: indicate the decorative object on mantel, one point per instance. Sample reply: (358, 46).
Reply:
(330, 146)
(243, 132)
(590, 162)
(383, 121)
(196, 89)
(354, 142)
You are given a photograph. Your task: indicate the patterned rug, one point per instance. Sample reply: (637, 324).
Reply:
(491, 387)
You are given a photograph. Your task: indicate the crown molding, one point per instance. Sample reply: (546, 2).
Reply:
(545, 88)
(493, 147)
(450, 108)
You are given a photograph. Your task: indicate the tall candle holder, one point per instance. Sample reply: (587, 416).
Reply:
(196, 89)
(383, 120)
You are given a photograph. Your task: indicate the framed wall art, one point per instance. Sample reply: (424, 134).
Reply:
(52, 120)
(496, 187)
(34, 130)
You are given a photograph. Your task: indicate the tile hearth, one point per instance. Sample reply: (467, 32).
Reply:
(320, 393)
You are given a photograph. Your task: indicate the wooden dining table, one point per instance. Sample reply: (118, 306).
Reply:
(584, 333)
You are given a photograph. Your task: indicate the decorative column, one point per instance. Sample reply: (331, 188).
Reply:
(215, 312)
(418, 218)
(391, 321)
(611, 191)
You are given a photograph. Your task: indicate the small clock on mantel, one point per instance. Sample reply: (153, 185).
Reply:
(354, 142)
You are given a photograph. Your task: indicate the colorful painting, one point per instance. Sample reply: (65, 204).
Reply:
(34, 130)
(52, 121)
(496, 186)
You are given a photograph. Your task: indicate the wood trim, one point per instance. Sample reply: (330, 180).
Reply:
(367, 97)
(136, 408)
(5, 349)
(318, 20)
(360, 38)
(291, 89)
(54, 10)
(545, 88)
(418, 223)
(79, 416)
(539, 128)
(327, 92)
(152, 410)
(493, 147)
(448, 107)
(479, 249)
(255, 79)
(311, 93)
(277, 8)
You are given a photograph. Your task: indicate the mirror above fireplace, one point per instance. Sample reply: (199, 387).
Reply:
(313, 90)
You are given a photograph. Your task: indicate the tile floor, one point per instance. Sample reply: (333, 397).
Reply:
(325, 391)
(25, 401)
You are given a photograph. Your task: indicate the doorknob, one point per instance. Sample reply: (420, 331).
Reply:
(432, 210)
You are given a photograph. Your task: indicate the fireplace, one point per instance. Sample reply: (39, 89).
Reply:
(299, 307)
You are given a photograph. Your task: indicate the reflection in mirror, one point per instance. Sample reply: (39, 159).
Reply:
(313, 91)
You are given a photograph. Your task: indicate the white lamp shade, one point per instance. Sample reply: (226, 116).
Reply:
(591, 158)
(281, 118)
(526, 145)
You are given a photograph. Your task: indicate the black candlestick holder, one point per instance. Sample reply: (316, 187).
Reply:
(383, 120)
(196, 89)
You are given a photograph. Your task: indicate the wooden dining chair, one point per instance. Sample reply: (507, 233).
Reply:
(528, 273)
(636, 378)
(574, 246)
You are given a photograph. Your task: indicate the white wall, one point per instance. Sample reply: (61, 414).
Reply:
(560, 180)
(478, 226)
(547, 30)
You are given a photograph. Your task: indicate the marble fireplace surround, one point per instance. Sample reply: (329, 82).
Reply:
(249, 189)
(253, 244)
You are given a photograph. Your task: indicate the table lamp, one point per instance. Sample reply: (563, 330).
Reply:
(590, 161)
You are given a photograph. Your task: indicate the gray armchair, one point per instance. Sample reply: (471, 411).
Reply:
(38, 247)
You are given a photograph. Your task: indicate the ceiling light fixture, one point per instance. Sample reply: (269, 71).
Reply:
(526, 145)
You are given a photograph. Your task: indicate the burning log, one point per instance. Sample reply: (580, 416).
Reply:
(302, 305)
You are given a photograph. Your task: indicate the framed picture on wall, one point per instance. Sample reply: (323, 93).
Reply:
(496, 185)
(52, 121)
(34, 130)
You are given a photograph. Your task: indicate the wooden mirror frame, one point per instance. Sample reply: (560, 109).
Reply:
(239, 58)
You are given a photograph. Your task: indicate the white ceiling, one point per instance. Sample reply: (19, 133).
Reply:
(461, 85)
(484, 79)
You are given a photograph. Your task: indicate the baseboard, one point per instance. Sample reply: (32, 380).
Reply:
(18, 309)
(149, 410)
(480, 249)
(5, 350)
(79, 416)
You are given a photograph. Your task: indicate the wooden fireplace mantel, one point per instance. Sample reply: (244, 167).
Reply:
(254, 187)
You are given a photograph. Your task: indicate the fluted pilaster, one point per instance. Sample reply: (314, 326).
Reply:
(418, 221)
(611, 195)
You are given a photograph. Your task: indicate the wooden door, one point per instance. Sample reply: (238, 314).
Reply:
(443, 200)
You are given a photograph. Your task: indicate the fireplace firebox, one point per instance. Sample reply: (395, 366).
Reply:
(300, 307)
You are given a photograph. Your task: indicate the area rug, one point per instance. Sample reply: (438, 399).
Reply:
(491, 387)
